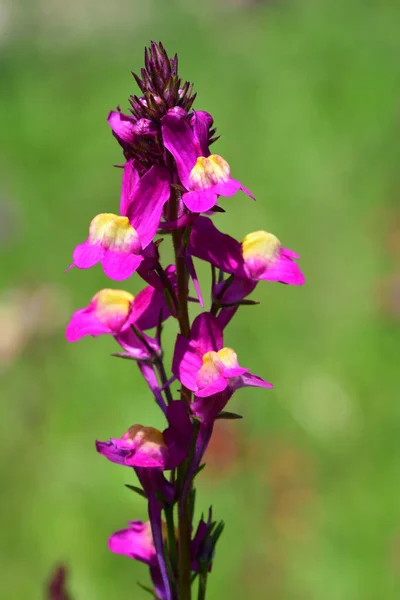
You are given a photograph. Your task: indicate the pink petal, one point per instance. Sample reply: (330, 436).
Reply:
(180, 141)
(206, 333)
(119, 265)
(201, 122)
(284, 270)
(150, 195)
(247, 192)
(228, 188)
(134, 542)
(142, 458)
(290, 253)
(147, 307)
(198, 202)
(84, 322)
(130, 180)
(86, 255)
(210, 244)
(186, 363)
(234, 371)
(251, 380)
(218, 385)
(121, 126)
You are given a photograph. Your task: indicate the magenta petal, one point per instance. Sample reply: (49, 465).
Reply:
(130, 180)
(121, 126)
(147, 370)
(151, 193)
(198, 202)
(86, 255)
(186, 363)
(178, 436)
(134, 542)
(119, 265)
(210, 244)
(207, 410)
(247, 192)
(234, 371)
(147, 307)
(193, 275)
(179, 140)
(238, 289)
(112, 452)
(284, 270)
(141, 457)
(226, 315)
(218, 385)
(201, 122)
(290, 253)
(228, 188)
(206, 333)
(251, 380)
(84, 322)
(134, 346)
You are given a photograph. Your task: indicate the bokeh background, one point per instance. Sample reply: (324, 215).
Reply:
(306, 95)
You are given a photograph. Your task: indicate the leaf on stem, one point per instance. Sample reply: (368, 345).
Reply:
(228, 415)
(136, 489)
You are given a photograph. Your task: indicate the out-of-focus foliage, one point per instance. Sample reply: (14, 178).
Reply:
(306, 95)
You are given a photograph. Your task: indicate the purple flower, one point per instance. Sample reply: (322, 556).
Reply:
(148, 448)
(203, 364)
(260, 255)
(205, 176)
(117, 241)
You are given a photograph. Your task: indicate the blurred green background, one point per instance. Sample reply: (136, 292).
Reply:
(306, 95)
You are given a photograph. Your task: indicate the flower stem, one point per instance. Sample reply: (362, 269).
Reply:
(184, 509)
(202, 586)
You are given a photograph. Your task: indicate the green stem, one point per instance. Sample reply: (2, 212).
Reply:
(202, 586)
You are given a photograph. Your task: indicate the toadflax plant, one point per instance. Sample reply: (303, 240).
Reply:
(171, 186)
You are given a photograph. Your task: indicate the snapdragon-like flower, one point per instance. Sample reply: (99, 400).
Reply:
(205, 176)
(260, 255)
(147, 447)
(112, 311)
(118, 241)
(202, 363)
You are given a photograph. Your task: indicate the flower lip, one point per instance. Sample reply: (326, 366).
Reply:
(139, 436)
(208, 172)
(114, 233)
(262, 245)
(112, 306)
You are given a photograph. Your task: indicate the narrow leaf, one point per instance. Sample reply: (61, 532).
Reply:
(136, 489)
(149, 590)
(228, 415)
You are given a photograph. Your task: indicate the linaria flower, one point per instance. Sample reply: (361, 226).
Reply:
(117, 241)
(204, 176)
(147, 447)
(260, 255)
(202, 364)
